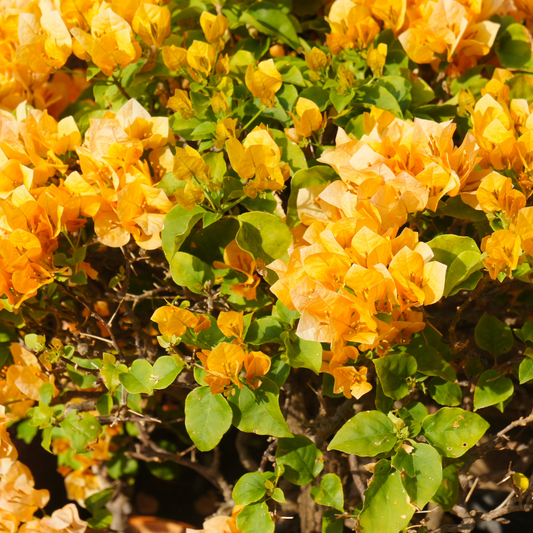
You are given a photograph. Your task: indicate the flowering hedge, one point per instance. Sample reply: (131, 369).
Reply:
(304, 220)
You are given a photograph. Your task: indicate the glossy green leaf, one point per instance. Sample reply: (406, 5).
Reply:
(207, 417)
(81, 430)
(255, 517)
(393, 371)
(165, 371)
(189, 271)
(264, 235)
(178, 224)
(445, 392)
(330, 492)
(453, 431)
(303, 354)
(139, 379)
(525, 371)
(493, 335)
(386, 508)
(367, 434)
(492, 388)
(421, 469)
(251, 487)
(448, 492)
(301, 459)
(258, 411)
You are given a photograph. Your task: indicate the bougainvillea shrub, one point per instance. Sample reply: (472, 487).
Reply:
(284, 248)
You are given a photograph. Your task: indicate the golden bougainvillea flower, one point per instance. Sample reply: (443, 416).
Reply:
(188, 164)
(226, 129)
(503, 252)
(189, 196)
(310, 119)
(8, 452)
(111, 42)
(201, 57)
(524, 228)
(181, 103)
(45, 42)
(174, 57)
(496, 193)
(231, 323)
(376, 58)
(223, 366)
(152, 24)
(256, 364)
(258, 156)
(64, 520)
(264, 82)
(391, 12)
(317, 59)
(82, 484)
(238, 259)
(8, 522)
(214, 28)
(18, 495)
(352, 26)
(173, 320)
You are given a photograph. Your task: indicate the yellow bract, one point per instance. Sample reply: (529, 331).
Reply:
(264, 82)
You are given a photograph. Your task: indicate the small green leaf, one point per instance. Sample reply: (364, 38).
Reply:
(251, 487)
(207, 417)
(448, 492)
(386, 508)
(257, 411)
(263, 330)
(165, 371)
(301, 459)
(35, 342)
(393, 371)
(46, 392)
(178, 224)
(453, 431)
(330, 492)
(139, 379)
(254, 518)
(81, 430)
(189, 271)
(492, 388)
(445, 393)
(493, 335)
(303, 354)
(513, 47)
(366, 434)
(525, 370)
(264, 235)
(278, 495)
(110, 375)
(421, 469)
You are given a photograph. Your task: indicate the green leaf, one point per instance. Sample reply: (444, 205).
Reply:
(318, 95)
(139, 379)
(453, 431)
(317, 175)
(393, 371)
(431, 363)
(455, 207)
(104, 404)
(462, 257)
(291, 153)
(207, 417)
(329, 493)
(251, 487)
(448, 492)
(189, 271)
(513, 47)
(46, 392)
(119, 465)
(262, 330)
(257, 411)
(303, 354)
(340, 101)
(493, 335)
(492, 388)
(366, 434)
(386, 508)
(81, 430)
(264, 235)
(254, 518)
(165, 371)
(110, 375)
(331, 523)
(301, 459)
(265, 17)
(444, 392)
(99, 500)
(379, 96)
(421, 470)
(525, 371)
(278, 495)
(178, 224)
(101, 519)
(35, 342)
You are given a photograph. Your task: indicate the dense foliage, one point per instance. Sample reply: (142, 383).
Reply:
(301, 223)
